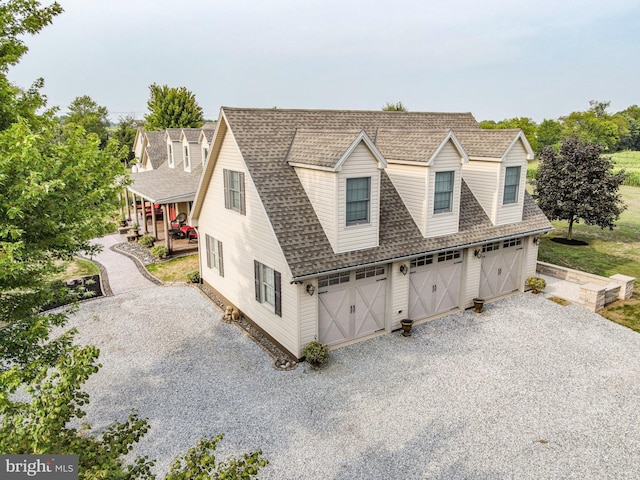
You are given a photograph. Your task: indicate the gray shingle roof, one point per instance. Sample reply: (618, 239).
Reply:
(208, 133)
(156, 149)
(166, 185)
(264, 137)
(487, 143)
(192, 134)
(174, 134)
(321, 148)
(409, 145)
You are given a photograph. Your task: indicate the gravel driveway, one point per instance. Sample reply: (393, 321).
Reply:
(528, 389)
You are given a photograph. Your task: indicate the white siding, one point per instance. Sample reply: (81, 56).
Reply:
(531, 258)
(361, 163)
(399, 292)
(444, 223)
(308, 313)
(246, 238)
(176, 148)
(511, 213)
(482, 178)
(321, 188)
(195, 154)
(411, 183)
(471, 277)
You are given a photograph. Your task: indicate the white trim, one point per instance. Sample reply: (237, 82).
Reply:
(362, 137)
(456, 143)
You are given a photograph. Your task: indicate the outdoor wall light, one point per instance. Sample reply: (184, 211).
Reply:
(536, 240)
(310, 289)
(403, 269)
(478, 253)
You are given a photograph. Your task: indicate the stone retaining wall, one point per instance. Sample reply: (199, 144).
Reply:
(595, 291)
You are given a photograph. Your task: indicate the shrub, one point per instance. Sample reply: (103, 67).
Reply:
(316, 353)
(147, 241)
(537, 284)
(532, 172)
(193, 277)
(160, 251)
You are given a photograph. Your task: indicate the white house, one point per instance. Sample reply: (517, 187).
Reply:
(336, 225)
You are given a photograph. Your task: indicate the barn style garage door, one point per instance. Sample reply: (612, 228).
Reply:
(351, 304)
(434, 284)
(501, 267)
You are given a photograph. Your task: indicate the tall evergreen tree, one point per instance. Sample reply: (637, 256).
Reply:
(172, 107)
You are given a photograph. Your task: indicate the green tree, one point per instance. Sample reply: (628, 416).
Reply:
(592, 126)
(394, 107)
(83, 111)
(125, 134)
(19, 18)
(172, 107)
(549, 134)
(578, 183)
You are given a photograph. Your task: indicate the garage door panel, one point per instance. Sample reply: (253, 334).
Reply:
(369, 308)
(434, 289)
(333, 316)
(448, 287)
(500, 273)
(420, 293)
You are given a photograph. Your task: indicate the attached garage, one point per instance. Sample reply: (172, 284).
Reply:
(501, 268)
(351, 304)
(434, 284)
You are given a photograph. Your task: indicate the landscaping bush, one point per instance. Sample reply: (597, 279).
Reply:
(160, 251)
(537, 284)
(316, 353)
(147, 241)
(532, 172)
(193, 277)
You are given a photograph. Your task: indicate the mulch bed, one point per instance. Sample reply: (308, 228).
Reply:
(571, 242)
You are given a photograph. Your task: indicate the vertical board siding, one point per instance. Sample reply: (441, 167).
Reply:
(444, 223)
(321, 188)
(531, 258)
(399, 294)
(471, 277)
(361, 163)
(482, 179)
(411, 183)
(308, 313)
(247, 238)
(512, 213)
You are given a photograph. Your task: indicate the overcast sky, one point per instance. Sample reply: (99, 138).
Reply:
(496, 58)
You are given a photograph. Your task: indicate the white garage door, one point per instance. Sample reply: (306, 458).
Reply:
(501, 267)
(434, 284)
(351, 304)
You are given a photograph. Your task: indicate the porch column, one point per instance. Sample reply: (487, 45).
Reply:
(126, 200)
(144, 216)
(154, 227)
(167, 238)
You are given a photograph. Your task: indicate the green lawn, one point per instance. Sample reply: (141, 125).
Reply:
(174, 270)
(608, 252)
(78, 267)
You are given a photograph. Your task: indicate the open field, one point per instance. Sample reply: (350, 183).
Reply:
(608, 252)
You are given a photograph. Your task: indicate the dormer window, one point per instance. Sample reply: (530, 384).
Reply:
(443, 196)
(186, 157)
(170, 155)
(511, 185)
(358, 200)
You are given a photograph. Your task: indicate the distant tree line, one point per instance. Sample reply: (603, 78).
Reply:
(613, 132)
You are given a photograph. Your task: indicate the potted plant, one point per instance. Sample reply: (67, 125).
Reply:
(134, 230)
(536, 284)
(478, 303)
(406, 326)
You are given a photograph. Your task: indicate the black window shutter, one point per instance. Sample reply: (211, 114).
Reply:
(221, 269)
(242, 205)
(208, 247)
(276, 281)
(256, 271)
(225, 173)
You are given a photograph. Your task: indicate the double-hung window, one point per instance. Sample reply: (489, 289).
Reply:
(443, 196)
(214, 254)
(511, 185)
(186, 158)
(267, 286)
(358, 200)
(234, 191)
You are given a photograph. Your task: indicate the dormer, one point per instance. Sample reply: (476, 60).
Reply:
(340, 172)
(425, 167)
(138, 143)
(497, 171)
(191, 152)
(174, 146)
(204, 140)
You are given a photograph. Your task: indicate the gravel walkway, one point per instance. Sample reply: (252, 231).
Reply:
(527, 389)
